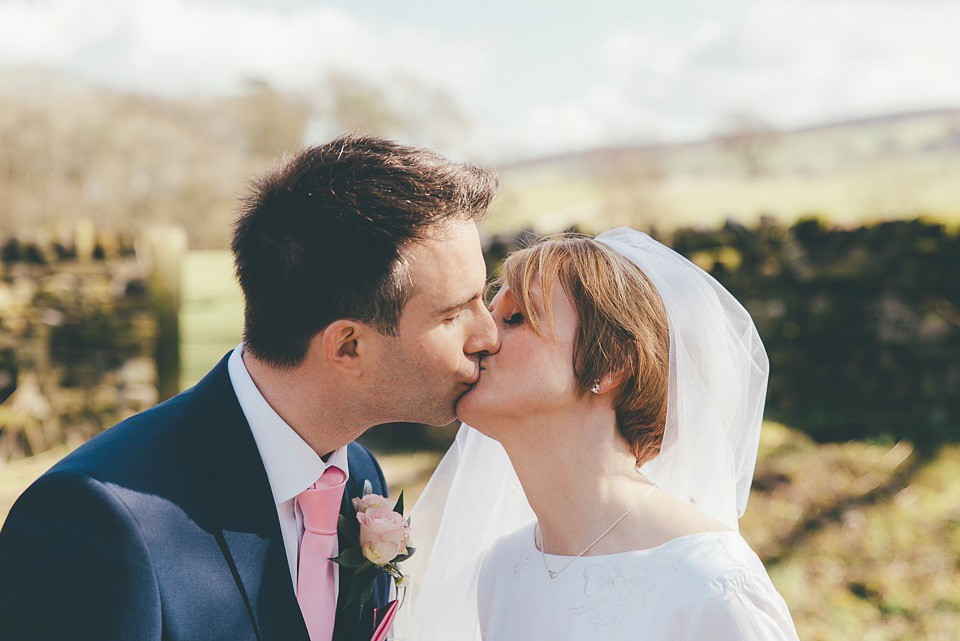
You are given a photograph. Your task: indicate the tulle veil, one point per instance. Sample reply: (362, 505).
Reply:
(717, 387)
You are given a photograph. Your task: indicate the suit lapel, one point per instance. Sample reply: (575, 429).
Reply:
(350, 626)
(347, 626)
(259, 563)
(250, 531)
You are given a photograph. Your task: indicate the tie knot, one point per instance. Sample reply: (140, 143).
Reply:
(320, 503)
(331, 476)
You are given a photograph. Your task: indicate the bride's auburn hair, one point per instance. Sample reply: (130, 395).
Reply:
(621, 329)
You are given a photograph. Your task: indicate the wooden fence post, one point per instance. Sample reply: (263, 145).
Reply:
(163, 249)
(84, 239)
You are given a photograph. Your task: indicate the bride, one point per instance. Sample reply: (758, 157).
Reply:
(611, 448)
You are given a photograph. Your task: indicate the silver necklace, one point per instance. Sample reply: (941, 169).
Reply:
(554, 574)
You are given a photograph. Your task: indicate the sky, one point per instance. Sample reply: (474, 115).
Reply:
(533, 77)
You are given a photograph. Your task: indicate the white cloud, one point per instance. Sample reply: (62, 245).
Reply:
(793, 62)
(178, 46)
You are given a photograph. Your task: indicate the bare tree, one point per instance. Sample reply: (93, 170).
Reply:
(401, 107)
(126, 161)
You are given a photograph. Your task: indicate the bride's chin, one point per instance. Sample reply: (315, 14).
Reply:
(475, 421)
(470, 409)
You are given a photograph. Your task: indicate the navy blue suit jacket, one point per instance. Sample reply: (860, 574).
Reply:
(164, 527)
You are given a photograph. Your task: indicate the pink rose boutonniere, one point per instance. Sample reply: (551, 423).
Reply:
(383, 541)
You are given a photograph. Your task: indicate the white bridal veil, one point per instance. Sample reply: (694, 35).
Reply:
(717, 386)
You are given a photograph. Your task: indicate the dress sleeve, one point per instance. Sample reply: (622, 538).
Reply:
(484, 592)
(489, 585)
(741, 606)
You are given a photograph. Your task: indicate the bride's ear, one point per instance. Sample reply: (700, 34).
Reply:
(608, 382)
(342, 346)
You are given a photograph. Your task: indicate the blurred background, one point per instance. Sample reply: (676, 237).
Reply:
(806, 153)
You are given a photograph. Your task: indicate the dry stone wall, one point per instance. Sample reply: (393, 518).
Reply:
(79, 333)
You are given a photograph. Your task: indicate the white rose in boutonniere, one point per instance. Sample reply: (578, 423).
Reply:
(383, 534)
(382, 539)
(371, 500)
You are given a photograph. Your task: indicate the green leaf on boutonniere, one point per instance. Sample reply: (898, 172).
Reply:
(350, 558)
(367, 592)
(348, 528)
(367, 487)
(404, 557)
(362, 583)
(398, 508)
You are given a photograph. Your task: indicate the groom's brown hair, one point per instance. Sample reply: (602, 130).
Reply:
(323, 236)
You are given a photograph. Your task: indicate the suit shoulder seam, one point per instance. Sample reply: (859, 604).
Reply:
(113, 497)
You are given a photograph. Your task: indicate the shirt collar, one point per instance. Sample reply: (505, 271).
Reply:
(291, 465)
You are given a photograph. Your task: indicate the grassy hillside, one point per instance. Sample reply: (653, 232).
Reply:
(862, 539)
(890, 167)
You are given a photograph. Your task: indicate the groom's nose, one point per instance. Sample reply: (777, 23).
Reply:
(485, 337)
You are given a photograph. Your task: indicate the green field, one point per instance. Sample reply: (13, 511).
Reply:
(862, 540)
(211, 315)
(553, 199)
(856, 172)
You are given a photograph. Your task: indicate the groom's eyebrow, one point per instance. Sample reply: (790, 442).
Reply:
(458, 305)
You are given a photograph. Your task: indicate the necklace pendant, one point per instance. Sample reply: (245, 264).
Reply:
(552, 574)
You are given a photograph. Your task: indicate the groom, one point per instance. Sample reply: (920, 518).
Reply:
(362, 275)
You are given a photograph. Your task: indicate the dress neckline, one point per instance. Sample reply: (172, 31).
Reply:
(531, 540)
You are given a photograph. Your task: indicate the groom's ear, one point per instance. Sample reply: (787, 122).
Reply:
(341, 345)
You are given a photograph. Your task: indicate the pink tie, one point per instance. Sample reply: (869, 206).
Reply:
(316, 583)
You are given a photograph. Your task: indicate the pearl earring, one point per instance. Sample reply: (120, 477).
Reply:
(596, 387)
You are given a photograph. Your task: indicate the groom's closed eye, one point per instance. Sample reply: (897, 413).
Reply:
(455, 312)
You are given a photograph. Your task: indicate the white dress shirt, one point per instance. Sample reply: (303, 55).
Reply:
(292, 466)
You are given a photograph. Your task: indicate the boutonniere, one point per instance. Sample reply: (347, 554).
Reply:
(382, 539)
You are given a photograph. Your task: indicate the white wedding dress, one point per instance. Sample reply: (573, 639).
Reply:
(472, 577)
(708, 586)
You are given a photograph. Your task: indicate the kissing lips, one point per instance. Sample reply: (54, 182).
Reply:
(473, 379)
(480, 373)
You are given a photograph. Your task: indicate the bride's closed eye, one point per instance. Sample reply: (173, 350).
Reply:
(513, 319)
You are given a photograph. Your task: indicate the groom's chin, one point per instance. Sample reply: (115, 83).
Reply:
(441, 415)
(441, 419)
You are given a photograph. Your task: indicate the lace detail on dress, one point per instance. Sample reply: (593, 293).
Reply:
(740, 579)
(615, 592)
(744, 582)
(519, 566)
